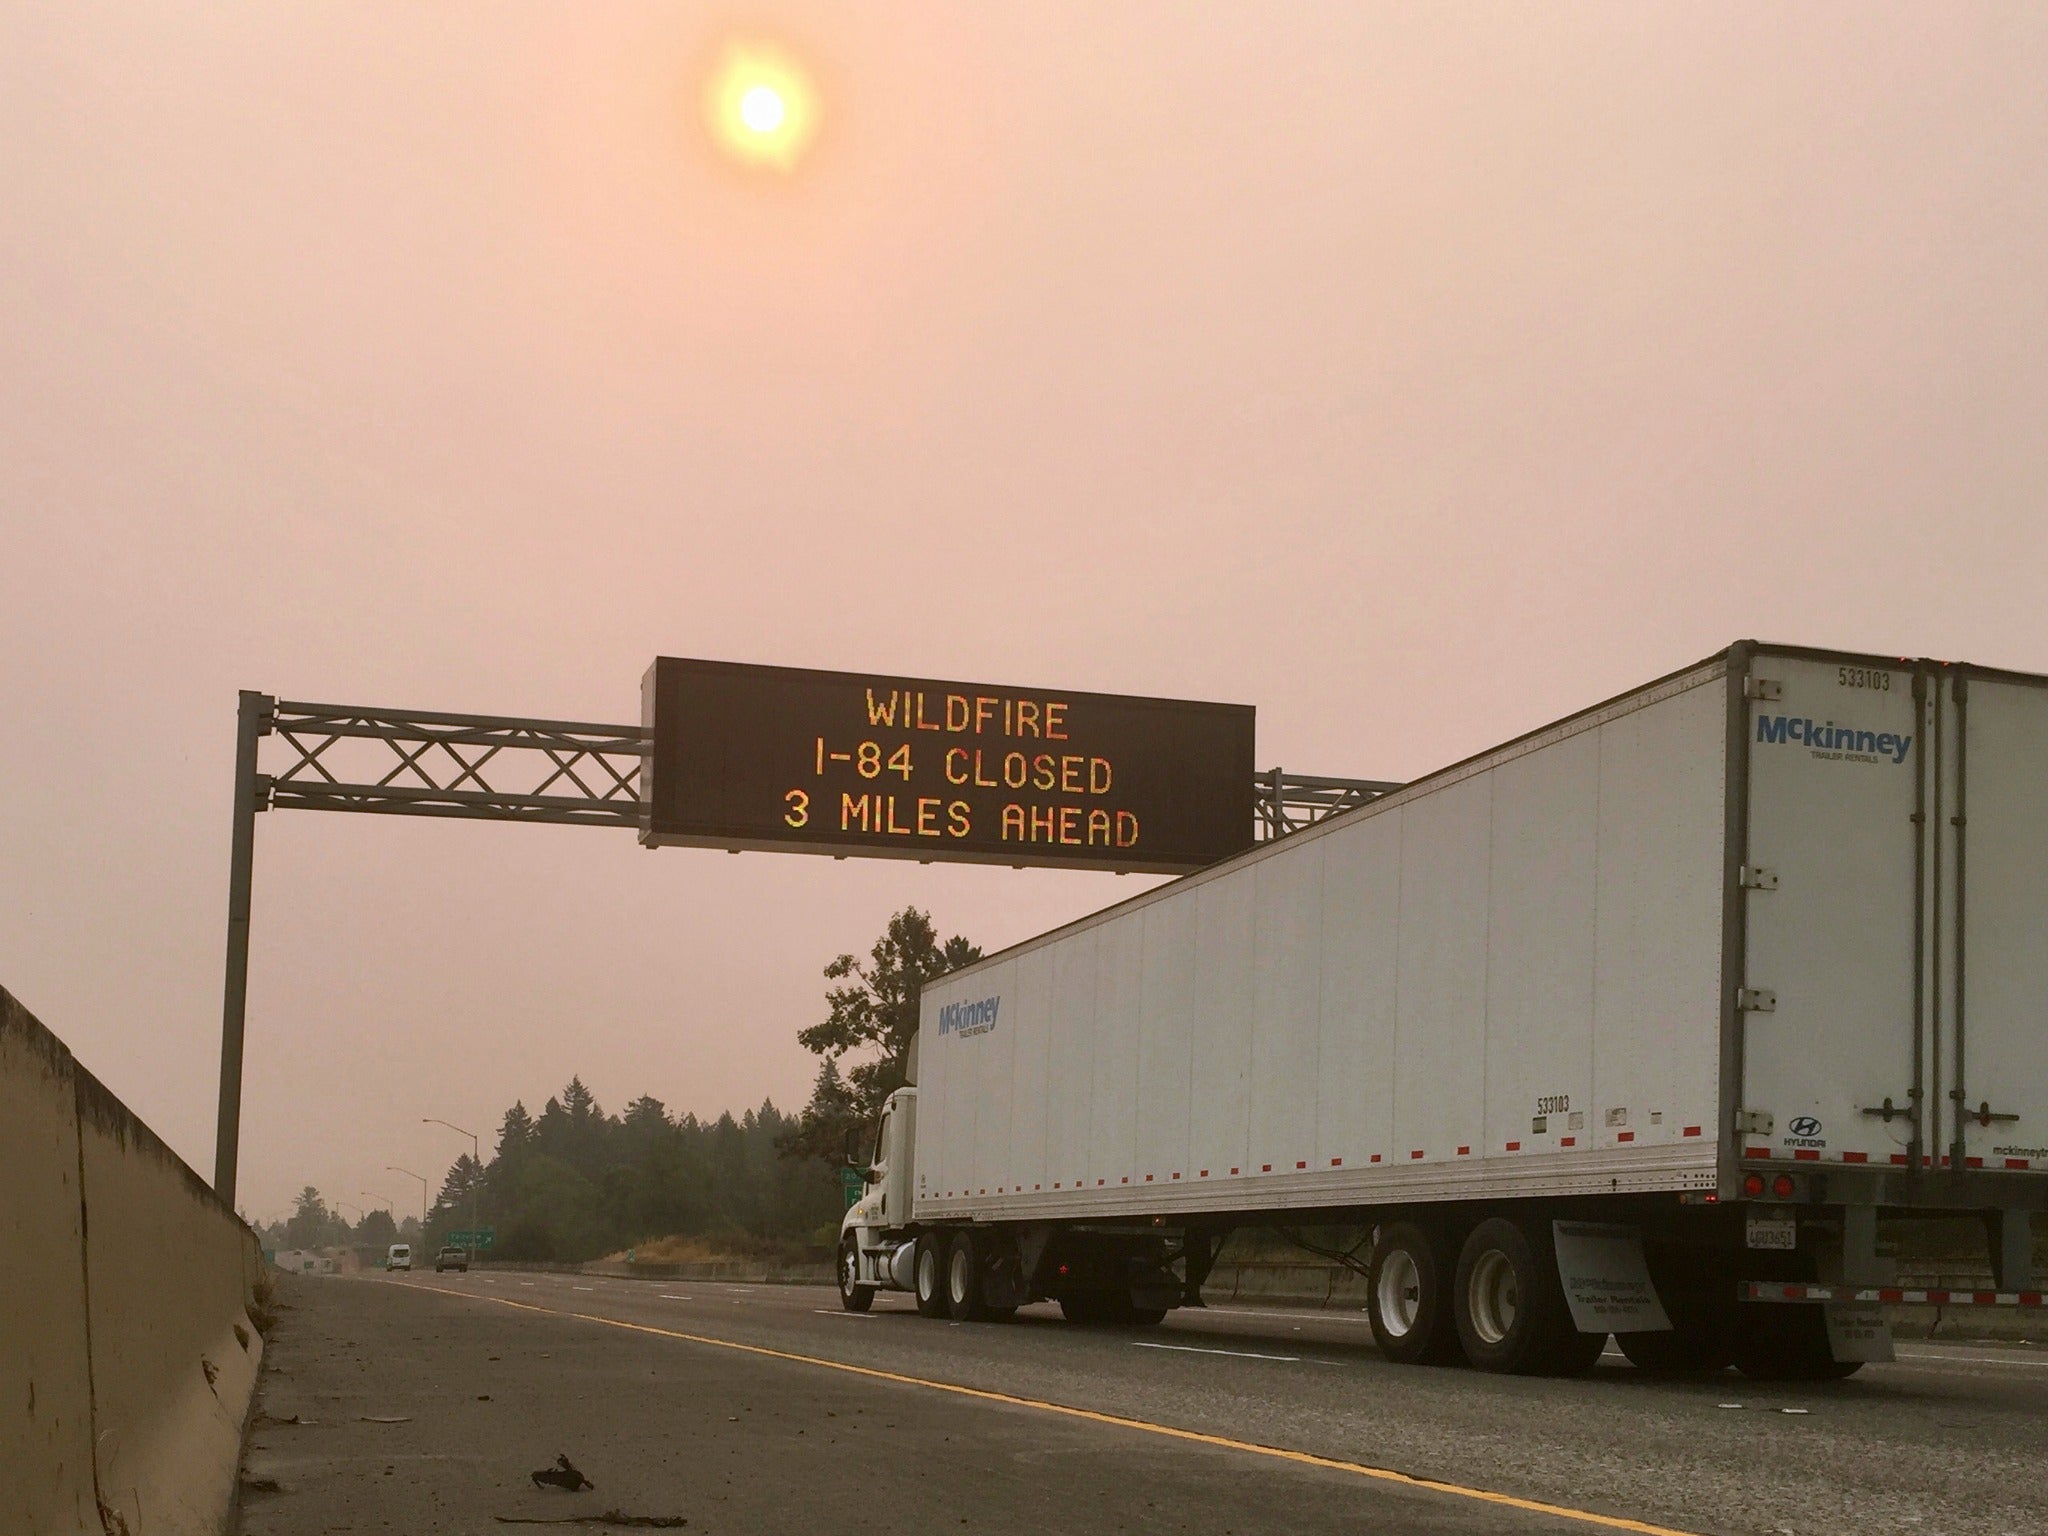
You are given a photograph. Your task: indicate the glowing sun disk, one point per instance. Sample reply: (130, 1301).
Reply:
(760, 107)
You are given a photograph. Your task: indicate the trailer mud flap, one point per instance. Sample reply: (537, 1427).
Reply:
(1606, 1278)
(1857, 1331)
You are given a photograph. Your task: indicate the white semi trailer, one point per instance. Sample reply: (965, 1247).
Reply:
(1636, 1025)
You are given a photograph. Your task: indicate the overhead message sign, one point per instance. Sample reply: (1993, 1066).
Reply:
(857, 763)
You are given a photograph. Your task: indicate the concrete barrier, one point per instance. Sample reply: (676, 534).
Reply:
(122, 1401)
(46, 1425)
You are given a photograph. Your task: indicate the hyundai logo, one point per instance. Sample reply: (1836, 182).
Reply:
(1804, 1125)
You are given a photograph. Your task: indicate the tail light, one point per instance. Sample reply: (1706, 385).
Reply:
(1753, 1185)
(1784, 1186)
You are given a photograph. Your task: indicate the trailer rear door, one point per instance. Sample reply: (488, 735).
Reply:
(1835, 875)
(1994, 1033)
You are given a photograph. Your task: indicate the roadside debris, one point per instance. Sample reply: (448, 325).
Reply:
(563, 1475)
(379, 1418)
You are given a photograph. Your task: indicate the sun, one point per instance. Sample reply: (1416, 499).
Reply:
(760, 106)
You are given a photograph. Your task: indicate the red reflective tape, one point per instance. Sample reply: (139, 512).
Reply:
(1514, 1146)
(1855, 1157)
(1415, 1154)
(1148, 1179)
(1055, 1183)
(1624, 1135)
(1565, 1141)
(1464, 1151)
(1336, 1162)
(2030, 1298)
(1937, 1296)
(1176, 1175)
(1375, 1157)
(1265, 1167)
(1984, 1298)
(1125, 1179)
(1891, 1293)
(2016, 1162)
(1756, 1151)
(1100, 1182)
(1973, 1162)
(1901, 1159)
(1690, 1130)
(1806, 1154)
(1233, 1170)
(1205, 1173)
(1036, 1187)
(1300, 1164)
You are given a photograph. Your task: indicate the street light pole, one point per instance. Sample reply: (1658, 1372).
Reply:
(475, 1177)
(392, 1168)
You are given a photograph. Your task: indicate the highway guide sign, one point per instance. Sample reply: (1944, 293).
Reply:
(482, 1238)
(784, 758)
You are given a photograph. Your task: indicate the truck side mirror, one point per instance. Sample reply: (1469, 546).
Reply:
(853, 1157)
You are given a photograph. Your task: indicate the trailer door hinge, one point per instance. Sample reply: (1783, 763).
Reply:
(1753, 1122)
(1756, 878)
(1756, 1000)
(1762, 688)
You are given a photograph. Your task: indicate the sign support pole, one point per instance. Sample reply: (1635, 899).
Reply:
(252, 722)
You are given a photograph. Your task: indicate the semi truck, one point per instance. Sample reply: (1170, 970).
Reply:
(1640, 1025)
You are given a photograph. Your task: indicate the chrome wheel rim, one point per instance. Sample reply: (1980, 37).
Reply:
(927, 1275)
(958, 1274)
(849, 1271)
(1493, 1300)
(1399, 1293)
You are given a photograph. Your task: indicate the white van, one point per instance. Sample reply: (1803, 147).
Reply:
(400, 1257)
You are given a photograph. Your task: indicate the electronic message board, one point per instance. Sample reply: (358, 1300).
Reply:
(863, 763)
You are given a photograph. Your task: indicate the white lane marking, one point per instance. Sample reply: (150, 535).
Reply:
(1932, 1361)
(858, 1317)
(582, 1287)
(527, 1283)
(665, 1296)
(1241, 1354)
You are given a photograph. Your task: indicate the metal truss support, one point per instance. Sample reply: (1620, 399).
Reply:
(393, 762)
(1287, 802)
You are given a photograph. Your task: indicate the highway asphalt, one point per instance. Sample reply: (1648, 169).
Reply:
(767, 1409)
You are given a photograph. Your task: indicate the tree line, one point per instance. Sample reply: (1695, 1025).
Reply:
(575, 1182)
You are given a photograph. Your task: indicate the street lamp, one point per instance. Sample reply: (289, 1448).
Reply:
(476, 1174)
(389, 1168)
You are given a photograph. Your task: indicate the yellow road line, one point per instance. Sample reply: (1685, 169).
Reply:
(1093, 1416)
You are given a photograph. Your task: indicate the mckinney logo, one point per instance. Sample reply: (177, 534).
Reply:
(969, 1018)
(1829, 740)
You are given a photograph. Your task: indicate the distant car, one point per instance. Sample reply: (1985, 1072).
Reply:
(400, 1257)
(452, 1258)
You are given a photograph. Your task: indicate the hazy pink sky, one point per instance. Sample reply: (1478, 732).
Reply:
(1416, 373)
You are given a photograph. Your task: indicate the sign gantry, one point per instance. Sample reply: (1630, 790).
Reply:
(1101, 782)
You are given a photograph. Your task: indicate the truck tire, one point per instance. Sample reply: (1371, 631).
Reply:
(853, 1296)
(928, 1272)
(1510, 1307)
(1699, 1342)
(1787, 1341)
(1409, 1297)
(964, 1259)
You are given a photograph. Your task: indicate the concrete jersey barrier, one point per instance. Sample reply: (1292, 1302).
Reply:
(130, 1357)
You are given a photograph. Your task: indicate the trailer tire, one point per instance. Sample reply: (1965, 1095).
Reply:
(1787, 1341)
(1699, 1342)
(928, 1274)
(1510, 1306)
(965, 1256)
(1408, 1293)
(853, 1296)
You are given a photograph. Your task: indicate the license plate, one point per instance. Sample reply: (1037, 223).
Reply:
(1773, 1231)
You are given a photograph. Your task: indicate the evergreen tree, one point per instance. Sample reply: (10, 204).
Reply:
(871, 1016)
